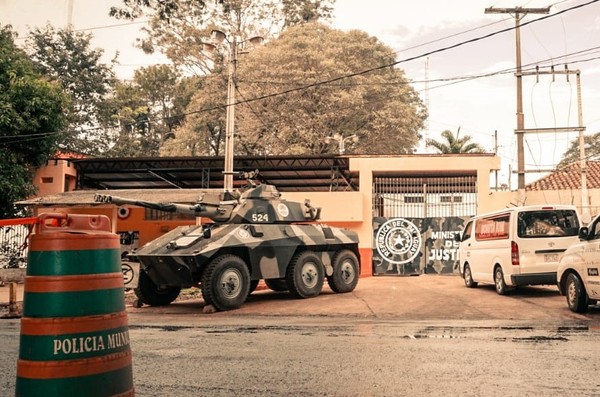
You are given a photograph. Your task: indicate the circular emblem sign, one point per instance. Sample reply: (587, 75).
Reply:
(283, 210)
(398, 241)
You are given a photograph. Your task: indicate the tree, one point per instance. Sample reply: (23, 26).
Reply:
(591, 146)
(178, 28)
(203, 132)
(297, 110)
(278, 114)
(146, 110)
(454, 144)
(31, 118)
(66, 57)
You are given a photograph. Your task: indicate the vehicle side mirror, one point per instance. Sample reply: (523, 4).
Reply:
(583, 233)
(458, 237)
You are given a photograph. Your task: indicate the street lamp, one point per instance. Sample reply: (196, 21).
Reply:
(218, 38)
(341, 140)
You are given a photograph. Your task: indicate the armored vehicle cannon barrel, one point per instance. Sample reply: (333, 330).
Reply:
(255, 235)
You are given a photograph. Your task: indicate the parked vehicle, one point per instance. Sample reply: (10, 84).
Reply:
(578, 271)
(255, 235)
(516, 246)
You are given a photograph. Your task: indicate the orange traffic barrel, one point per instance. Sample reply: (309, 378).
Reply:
(74, 332)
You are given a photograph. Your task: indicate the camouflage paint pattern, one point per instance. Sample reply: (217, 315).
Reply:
(177, 257)
(257, 225)
(409, 246)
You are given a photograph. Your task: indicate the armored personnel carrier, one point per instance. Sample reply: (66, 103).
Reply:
(253, 234)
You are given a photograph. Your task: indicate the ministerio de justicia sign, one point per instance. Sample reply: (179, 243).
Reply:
(405, 246)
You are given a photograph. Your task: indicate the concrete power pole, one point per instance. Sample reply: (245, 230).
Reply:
(518, 13)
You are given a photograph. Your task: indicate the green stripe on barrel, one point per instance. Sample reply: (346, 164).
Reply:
(68, 263)
(73, 303)
(106, 384)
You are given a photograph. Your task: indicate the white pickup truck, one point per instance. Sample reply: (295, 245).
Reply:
(578, 274)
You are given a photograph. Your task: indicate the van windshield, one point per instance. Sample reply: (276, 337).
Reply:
(548, 223)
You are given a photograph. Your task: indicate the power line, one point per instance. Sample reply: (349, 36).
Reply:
(385, 66)
(381, 67)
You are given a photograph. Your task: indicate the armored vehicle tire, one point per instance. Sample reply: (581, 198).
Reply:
(346, 271)
(305, 275)
(150, 294)
(277, 284)
(226, 282)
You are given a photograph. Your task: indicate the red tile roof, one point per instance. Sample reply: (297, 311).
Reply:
(569, 178)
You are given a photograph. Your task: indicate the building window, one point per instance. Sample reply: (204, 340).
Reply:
(47, 179)
(451, 199)
(414, 199)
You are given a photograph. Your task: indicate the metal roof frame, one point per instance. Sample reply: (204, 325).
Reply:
(288, 173)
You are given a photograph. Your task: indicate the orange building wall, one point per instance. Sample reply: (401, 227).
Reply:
(57, 176)
(349, 209)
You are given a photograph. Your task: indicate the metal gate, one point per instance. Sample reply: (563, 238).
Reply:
(415, 220)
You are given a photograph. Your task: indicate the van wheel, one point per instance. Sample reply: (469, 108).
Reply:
(576, 295)
(499, 281)
(469, 277)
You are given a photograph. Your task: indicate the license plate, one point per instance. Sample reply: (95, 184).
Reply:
(550, 257)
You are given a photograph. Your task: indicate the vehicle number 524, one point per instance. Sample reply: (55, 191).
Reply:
(260, 217)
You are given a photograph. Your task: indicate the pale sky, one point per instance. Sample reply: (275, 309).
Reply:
(479, 106)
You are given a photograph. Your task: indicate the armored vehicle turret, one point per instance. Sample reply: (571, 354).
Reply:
(252, 235)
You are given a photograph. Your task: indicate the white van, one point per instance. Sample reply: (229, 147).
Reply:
(578, 273)
(516, 246)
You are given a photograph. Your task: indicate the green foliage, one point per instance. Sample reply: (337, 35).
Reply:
(31, 114)
(65, 56)
(591, 146)
(203, 132)
(380, 106)
(146, 110)
(454, 144)
(305, 11)
(178, 28)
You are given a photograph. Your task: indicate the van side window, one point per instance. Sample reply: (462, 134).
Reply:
(493, 228)
(467, 232)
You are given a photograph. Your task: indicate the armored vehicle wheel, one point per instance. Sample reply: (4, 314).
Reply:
(277, 284)
(345, 272)
(226, 282)
(151, 294)
(305, 275)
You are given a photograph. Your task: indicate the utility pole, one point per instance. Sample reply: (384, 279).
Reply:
(496, 153)
(519, 13)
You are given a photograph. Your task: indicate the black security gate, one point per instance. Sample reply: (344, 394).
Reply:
(415, 219)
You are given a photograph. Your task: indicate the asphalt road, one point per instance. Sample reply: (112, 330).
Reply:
(425, 297)
(408, 336)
